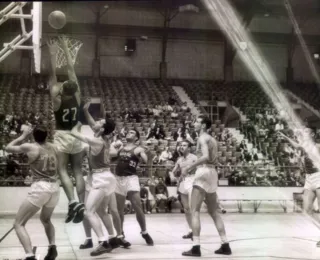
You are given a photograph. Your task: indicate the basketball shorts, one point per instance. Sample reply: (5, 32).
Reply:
(206, 177)
(185, 187)
(44, 194)
(103, 179)
(312, 181)
(66, 143)
(126, 184)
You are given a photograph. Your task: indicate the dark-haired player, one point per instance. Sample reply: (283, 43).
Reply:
(185, 185)
(45, 189)
(102, 181)
(205, 186)
(110, 200)
(128, 181)
(66, 105)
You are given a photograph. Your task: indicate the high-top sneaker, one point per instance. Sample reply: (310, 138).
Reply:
(113, 242)
(30, 258)
(79, 216)
(52, 253)
(224, 250)
(122, 242)
(194, 251)
(188, 236)
(87, 244)
(102, 248)
(71, 212)
(148, 239)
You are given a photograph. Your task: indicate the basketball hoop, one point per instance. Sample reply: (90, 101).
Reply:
(74, 46)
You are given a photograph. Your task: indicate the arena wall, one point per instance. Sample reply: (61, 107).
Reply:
(187, 58)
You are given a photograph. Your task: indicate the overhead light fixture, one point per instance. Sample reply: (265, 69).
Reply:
(188, 8)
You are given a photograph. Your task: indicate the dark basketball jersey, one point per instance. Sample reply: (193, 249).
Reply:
(101, 160)
(67, 116)
(309, 166)
(127, 163)
(45, 165)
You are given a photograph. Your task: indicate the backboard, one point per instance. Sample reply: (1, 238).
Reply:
(37, 34)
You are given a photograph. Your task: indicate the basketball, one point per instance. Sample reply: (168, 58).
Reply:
(57, 20)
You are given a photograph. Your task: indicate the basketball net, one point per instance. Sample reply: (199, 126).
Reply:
(73, 46)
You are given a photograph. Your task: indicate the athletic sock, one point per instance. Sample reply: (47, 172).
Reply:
(72, 201)
(196, 241)
(102, 239)
(224, 239)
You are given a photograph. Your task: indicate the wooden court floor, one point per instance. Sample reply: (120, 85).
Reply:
(252, 237)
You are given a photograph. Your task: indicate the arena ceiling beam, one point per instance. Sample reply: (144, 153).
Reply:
(156, 32)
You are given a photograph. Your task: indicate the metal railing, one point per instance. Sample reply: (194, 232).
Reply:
(250, 174)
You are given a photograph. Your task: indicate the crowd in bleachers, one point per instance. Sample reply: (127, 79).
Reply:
(163, 121)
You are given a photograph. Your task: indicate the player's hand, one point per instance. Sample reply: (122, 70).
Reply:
(27, 131)
(53, 46)
(63, 41)
(117, 145)
(172, 177)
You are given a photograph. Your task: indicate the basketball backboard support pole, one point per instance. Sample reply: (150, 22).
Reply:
(10, 12)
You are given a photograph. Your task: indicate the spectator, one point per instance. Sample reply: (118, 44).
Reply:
(148, 111)
(126, 114)
(174, 114)
(165, 156)
(176, 153)
(3, 154)
(279, 126)
(156, 158)
(144, 194)
(243, 145)
(167, 108)
(162, 195)
(136, 115)
(156, 111)
(184, 107)
(12, 165)
(152, 186)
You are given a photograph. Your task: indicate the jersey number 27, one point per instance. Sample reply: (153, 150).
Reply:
(67, 111)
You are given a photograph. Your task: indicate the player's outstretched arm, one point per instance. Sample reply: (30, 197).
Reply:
(88, 116)
(15, 146)
(53, 82)
(115, 148)
(70, 67)
(293, 143)
(142, 153)
(76, 133)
